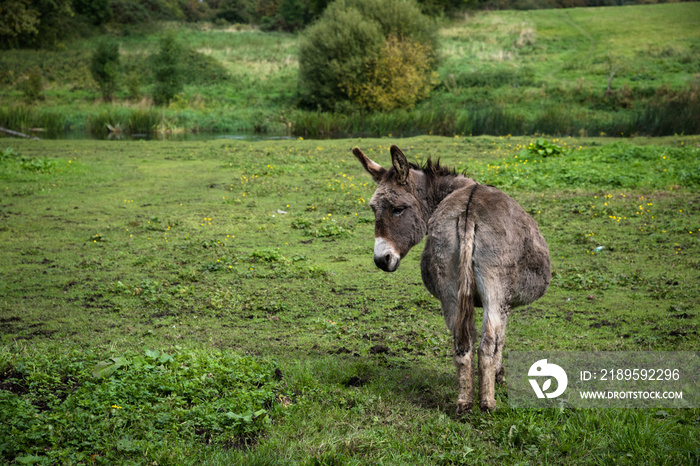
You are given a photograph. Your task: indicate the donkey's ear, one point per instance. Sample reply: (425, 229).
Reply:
(373, 168)
(400, 163)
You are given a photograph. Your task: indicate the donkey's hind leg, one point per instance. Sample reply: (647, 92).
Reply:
(491, 346)
(464, 362)
(464, 342)
(501, 338)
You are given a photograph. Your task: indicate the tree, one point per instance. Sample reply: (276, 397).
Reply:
(16, 17)
(237, 11)
(98, 12)
(167, 70)
(343, 51)
(33, 22)
(105, 68)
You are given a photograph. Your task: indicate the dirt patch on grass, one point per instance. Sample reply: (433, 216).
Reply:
(14, 382)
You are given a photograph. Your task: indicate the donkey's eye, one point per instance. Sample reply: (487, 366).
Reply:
(396, 211)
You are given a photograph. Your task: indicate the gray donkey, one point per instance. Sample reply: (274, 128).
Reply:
(482, 250)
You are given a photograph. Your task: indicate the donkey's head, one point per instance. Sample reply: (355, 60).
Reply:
(400, 212)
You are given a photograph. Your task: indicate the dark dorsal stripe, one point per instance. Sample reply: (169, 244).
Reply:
(469, 201)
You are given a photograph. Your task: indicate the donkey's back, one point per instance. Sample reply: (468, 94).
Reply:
(503, 241)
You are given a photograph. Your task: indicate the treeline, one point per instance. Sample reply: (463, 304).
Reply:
(47, 23)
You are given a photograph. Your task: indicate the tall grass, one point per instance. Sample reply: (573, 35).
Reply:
(35, 120)
(122, 121)
(118, 121)
(669, 112)
(672, 112)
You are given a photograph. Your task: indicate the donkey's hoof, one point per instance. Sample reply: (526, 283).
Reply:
(487, 405)
(501, 376)
(463, 407)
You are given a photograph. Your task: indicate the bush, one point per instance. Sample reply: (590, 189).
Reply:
(400, 77)
(105, 68)
(351, 40)
(32, 87)
(167, 70)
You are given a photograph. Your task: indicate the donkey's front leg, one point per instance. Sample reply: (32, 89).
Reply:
(490, 355)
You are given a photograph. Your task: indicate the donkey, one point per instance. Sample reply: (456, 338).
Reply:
(482, 249)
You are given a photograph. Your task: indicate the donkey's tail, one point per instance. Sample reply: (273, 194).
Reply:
(467, 286)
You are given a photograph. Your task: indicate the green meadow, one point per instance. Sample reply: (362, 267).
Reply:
(615, 71)
(216, 302)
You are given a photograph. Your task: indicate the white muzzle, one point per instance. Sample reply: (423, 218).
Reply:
(385, 256)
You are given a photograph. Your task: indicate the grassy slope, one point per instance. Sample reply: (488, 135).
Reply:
(527, 62)
(180, 247)
(564, 57)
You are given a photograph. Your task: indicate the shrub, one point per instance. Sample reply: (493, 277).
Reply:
(399, 77)
(167, 70)
(333, 53)
(105, 68)
(32, 87)
(342, 50)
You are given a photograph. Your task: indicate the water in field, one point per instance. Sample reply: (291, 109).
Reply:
(180, 136)
(200, 136)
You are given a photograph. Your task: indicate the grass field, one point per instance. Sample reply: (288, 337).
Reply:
(581, 72)
(216, 302)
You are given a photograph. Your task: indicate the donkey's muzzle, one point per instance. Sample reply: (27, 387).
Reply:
(385, 257)
(387, 263)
